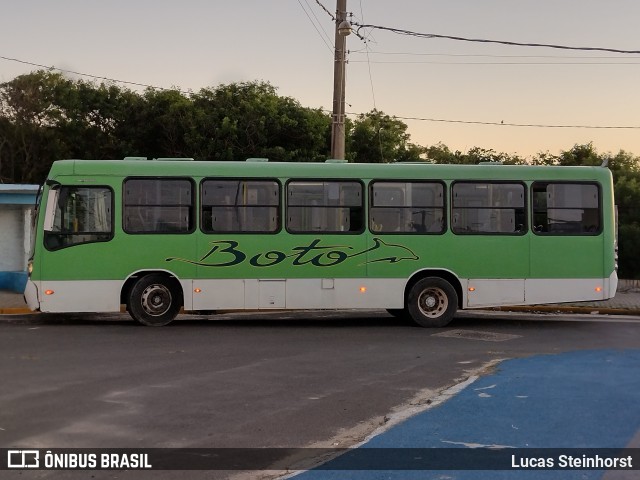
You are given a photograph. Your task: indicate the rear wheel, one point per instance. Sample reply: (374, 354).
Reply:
(154, 300)
(432, 302)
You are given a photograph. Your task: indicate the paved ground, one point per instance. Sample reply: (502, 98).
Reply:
(76, 381)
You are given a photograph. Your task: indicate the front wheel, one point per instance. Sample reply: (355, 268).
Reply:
(154, 300)
(432, 302)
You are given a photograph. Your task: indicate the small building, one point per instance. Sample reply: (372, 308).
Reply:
(16, 213)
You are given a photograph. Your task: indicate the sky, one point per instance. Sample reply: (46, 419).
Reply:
(192, 44)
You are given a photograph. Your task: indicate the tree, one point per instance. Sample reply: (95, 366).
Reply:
(46, 116)
(376, 137)
(241, 120)
(29, 112)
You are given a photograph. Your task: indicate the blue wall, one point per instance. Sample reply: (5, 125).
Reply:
(14, 281)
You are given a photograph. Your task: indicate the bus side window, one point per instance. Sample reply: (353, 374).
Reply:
(240, 206)
(406, 207)
(488, 208)
(158, 205)
(324, 206)
(566, 208)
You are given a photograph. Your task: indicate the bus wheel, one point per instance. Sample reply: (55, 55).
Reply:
(432, 302)
(154, 300)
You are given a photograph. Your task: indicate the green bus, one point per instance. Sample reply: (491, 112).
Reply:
(420, 240)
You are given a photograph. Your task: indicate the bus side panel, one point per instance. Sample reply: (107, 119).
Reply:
(80, 296)
(277, 271)
(567, 257)
(496, 265)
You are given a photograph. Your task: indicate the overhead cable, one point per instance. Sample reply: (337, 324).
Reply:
(400, 31)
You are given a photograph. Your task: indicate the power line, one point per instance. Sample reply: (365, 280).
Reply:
(322, 36)
(48, 67)
(469, 122)
(501, 124)
(333, 17)
(529, 125)
(373, 93)
(400, 31)
(433, 62)
(470, 55)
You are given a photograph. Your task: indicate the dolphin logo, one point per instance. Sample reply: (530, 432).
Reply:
(382, 251)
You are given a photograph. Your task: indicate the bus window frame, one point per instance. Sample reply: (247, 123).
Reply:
(525, 197)
(445, 223)
(54, 193)
(193, 218)
(279, 206)
(600, 207)
(363, 206)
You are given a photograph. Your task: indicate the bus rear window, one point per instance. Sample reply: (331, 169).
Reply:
(566, 208)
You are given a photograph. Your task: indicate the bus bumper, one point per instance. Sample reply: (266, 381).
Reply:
(31, 295)
(613, 284)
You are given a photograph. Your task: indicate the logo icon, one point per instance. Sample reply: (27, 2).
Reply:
(23, 459)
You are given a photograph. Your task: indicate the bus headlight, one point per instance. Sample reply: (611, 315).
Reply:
(29, 267)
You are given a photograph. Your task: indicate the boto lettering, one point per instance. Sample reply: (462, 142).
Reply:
(228, 253)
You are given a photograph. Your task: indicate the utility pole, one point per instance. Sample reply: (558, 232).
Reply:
(343, 28)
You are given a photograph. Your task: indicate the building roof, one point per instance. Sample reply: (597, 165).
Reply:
(17, 194)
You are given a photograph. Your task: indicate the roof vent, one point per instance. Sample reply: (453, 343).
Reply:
(169, 159)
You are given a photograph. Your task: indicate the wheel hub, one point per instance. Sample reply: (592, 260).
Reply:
(433, 302)
(156, 300)
(430, 301)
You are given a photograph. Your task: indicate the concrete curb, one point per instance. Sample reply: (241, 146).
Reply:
(15, 311)
(570, 309)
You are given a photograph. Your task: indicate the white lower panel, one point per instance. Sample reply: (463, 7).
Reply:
(298, 293)
(483, 292)
(346, 293)
(531, 291)
(217, 294)
(272, 293)
(315, 293)
(80, 296)
(556, 290)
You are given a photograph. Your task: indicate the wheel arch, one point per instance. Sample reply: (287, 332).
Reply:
(442, 273)
(135, 276)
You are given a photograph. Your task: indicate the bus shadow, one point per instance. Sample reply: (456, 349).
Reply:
(333, 319)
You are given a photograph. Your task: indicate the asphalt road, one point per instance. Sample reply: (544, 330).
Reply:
(251, 380)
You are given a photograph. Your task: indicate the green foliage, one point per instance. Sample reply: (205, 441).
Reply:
(45, 116)
(441, 154)
(378, 138)
(242, 120)
(629, 250)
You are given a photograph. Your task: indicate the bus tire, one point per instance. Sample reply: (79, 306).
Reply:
(154, 300)
(432, 302)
